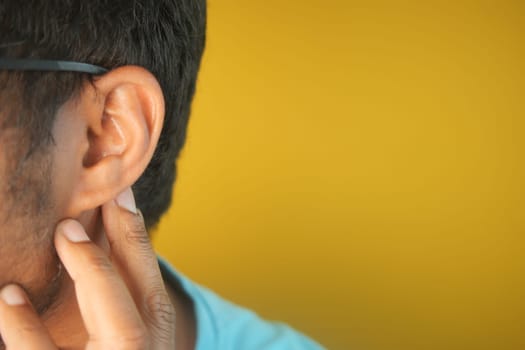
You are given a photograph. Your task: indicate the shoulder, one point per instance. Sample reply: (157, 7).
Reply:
(223, 325)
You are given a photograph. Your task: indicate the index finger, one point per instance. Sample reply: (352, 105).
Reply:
(130, 245)
(132, 251)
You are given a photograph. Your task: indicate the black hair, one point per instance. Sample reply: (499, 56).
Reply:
(164, 36)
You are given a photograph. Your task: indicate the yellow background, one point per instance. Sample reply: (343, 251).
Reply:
(356, 168)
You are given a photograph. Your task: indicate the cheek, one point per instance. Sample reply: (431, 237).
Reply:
(24, 178)
(28, 258)
(9, 150)
(27, 255)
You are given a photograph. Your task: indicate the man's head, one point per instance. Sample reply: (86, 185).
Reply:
(166, 37)
(71, 141)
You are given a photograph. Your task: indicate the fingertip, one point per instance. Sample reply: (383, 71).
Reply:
(140, 217)
(13, 295)
(72, 230)
(126, 201)
(20, 325)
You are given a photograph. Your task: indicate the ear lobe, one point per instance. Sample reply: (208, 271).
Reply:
(122, 134)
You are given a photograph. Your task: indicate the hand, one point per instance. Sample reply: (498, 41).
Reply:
(121, 296)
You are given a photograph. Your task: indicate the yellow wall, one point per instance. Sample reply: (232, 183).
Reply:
(356, 169)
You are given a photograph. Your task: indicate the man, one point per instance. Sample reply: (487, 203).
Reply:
(94, 99)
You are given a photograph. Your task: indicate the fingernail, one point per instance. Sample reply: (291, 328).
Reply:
(126, 200)
(74, 232)
(13, 295)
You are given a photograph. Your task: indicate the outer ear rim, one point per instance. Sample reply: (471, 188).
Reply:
(112, 174)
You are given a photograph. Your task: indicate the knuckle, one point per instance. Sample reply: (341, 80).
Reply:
(129, 339)
(31, 328)
(135, 339)
(160, 315)
(136, 233)
(99, 263)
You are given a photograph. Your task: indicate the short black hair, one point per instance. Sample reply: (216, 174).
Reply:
(164, 36)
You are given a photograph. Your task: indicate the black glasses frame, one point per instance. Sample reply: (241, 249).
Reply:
(27, 64)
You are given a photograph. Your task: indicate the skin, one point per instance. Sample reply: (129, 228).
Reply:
(103, 291)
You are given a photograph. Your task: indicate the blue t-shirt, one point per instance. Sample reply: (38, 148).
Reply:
(223, 325)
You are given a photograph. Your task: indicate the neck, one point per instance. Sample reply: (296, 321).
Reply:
(65, 322)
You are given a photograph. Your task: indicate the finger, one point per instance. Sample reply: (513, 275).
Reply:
(109, 312)
(131, 248)
(129, 242)
(20, 326)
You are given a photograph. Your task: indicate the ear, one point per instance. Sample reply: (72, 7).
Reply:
(121, 117)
